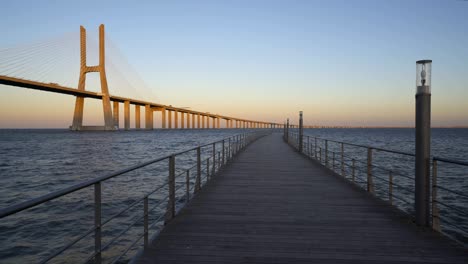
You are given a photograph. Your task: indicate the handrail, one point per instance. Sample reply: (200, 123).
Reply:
(50, 196)
(362, 146)
(230, 147)
(53, 195)
(458, 162)
(367, 171)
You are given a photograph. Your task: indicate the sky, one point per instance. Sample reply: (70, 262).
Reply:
(344, 62)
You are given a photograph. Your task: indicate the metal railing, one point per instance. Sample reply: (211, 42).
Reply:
(449, 207)
(389, 175)
(209, 160)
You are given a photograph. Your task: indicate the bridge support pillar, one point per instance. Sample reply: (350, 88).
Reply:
(127, 115)
(176, 119)
(116, 114)
(163, 118)
(169, 119)
(137, 117)
(193, 121)
(198, 121)
(148, 117)
(203, 121)
(182, 121)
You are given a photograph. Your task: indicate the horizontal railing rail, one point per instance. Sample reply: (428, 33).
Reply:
(213, 161)
(53, 195)
(447, 204)
(394, 184)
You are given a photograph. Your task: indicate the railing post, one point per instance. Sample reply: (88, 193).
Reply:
(435, 208)
(229, 150)
(342, 160)
(326, 153)
(285, 133)
(242, 141)
(236, 149)
(207, 168)
(320, 155)
(234, 143)
(187, 185)
(370, 182)
(354, 171)
(198, 179)
(170, 212)
(223, 153)
(145, 221)
(333, 168)
(97, 222)
(214, 159)
(219, 160)
(390, 187)
(308, 146)
(315, 147)
(301, 133)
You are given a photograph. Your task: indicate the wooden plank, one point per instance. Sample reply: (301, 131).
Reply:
(272, 205)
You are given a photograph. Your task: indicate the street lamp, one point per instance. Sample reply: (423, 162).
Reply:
(423, 141)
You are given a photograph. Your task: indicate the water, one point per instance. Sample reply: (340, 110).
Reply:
(36, 162)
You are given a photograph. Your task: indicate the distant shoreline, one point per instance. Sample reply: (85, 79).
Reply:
(307, 127)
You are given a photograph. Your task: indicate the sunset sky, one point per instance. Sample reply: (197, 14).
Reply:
(341, 62)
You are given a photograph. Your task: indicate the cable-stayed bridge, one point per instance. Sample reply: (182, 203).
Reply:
(16, 71)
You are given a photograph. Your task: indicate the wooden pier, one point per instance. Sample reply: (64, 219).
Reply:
(274, 205)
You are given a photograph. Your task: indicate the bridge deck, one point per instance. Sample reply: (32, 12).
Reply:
(272, 205)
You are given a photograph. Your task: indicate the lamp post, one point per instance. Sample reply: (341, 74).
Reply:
(423, 141)
(301, 131)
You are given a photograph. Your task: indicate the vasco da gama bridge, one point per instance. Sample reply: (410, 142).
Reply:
(169, 115)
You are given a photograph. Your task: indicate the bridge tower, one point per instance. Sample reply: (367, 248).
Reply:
(84, 69)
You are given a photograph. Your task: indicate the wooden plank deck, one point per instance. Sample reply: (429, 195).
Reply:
(273, 205)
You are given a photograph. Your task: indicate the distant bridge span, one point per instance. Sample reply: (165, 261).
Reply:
(56, 88)
(111, 114)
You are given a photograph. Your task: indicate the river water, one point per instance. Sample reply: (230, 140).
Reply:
(36, 162)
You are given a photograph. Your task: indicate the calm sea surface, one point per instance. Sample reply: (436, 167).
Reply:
(36, 162)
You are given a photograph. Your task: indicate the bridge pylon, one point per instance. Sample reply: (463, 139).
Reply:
(84, 69)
